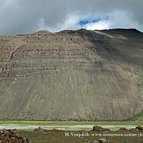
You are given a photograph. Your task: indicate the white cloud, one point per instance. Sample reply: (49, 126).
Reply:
(98, 25)
(70, 23)
(41, 24)
(22, 16)
(123, 19)
(117, 19)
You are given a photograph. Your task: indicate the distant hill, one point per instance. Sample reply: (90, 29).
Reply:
(72, 75)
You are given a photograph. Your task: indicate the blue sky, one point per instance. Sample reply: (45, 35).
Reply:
(91, 20)
(84, 22)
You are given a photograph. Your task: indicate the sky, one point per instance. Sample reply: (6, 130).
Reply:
(26, 16)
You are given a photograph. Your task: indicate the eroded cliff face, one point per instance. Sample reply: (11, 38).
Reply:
(71, 75)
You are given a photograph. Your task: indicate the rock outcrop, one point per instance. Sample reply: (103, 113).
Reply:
(10, 136)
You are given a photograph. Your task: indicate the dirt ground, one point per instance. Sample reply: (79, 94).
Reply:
(101, 136)
(97, 135)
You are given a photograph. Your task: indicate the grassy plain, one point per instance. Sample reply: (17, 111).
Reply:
(69, 123)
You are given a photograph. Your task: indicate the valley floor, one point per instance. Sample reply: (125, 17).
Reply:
(75, 132)
(56, 136)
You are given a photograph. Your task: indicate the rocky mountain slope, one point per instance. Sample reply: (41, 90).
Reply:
(72, 75)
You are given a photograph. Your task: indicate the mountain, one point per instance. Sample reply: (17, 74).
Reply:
(72, 75)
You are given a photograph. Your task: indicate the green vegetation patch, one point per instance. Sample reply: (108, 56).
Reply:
(140, 77)
(68, 123)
